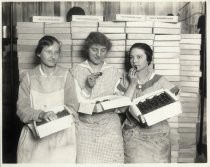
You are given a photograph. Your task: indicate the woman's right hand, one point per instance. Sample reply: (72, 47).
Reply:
(91, 79)
(133, 77)
(47, 116)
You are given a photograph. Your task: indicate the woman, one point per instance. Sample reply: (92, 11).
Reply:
(99, 138)
(43, 89)
(142, 143)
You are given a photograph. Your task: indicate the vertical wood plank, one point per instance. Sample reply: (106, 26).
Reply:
(151, 9)
(19, 12)
(63, 9)
(125, 8)
(99, 8)
(6, 13)
(57, 11)
(110, 10)
(163, 8)
(138, 8)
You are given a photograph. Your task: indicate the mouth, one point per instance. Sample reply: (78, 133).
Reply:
(135, 66)
(51, 61)
(97, 58)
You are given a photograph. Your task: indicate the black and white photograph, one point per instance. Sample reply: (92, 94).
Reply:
(104, 82)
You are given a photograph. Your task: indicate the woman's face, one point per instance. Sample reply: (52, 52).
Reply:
(97, 53)
(138, 59)
(50, 55)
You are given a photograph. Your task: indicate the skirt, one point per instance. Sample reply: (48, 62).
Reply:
(59, 147)
(100, 141)
(147, 145)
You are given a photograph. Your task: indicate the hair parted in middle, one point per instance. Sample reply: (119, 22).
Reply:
(95, 38)
(46, 40)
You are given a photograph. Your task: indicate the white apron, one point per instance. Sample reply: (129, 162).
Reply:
(47, 93)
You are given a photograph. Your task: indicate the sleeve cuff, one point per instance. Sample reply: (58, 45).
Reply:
(85, 93)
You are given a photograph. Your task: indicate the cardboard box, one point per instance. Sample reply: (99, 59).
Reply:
(159, 114)
(103, 103)
(54, 126)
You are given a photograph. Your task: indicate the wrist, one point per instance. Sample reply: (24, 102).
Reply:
(41, 114)
(87, 89)
(133, 84)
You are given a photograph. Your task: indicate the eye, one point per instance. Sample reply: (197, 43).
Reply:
(103, 50)
(57, 52)
(48, 52)
(139, 57)
(94, 49)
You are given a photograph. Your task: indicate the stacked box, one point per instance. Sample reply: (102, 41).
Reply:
(62, 32)
(115, 31)
(28, 36)
(189, 96)
(166, 63)
(139, 32)
(79, 32)
(166, 51)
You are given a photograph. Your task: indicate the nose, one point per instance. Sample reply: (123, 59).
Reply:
(53, 55)
(98, 53)
(135, 60)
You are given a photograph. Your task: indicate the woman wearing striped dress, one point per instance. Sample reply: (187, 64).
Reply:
(99, 136)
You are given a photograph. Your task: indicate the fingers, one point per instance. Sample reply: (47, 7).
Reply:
(92, 79)
(96, 75)
(142, 119)
(132, 72)
(50, 116)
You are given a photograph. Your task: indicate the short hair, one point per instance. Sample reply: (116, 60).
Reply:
(147, 49)
(95, 38)
(74, 11)
(46, 40)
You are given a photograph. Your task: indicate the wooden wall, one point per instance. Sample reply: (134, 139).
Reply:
(23, 11)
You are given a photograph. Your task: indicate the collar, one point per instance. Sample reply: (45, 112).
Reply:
(151, 76)
(87, 65)
(44, 74)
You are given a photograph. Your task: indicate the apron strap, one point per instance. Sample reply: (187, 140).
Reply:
(65, 77)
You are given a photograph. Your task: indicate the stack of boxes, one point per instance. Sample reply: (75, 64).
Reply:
(61, 31)
(28, 37)
(189, 96)
(139, 32)
(79, 31)
(115, 31)
(167, 63)
(167, 50)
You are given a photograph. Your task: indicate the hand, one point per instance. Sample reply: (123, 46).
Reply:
(91, 79)
(142, 121)
(133, 77)
(47, 116)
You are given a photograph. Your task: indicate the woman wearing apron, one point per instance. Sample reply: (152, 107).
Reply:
(99, 136)
(142, 143)
(41, 91)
